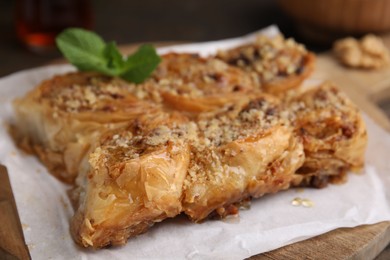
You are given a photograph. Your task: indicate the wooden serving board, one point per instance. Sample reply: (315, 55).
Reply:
(365, 88)
(12, 245)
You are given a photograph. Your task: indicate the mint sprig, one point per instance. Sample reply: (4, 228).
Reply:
(89, 52)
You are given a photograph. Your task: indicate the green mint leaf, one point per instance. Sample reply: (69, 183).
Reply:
(141, 64)
(88, 51)
(114, 58)
(82, 48)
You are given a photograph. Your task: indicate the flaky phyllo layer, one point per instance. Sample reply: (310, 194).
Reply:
(199, 137)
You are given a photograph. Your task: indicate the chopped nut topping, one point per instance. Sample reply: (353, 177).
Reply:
(183, 75)
(269, 58)
(202, 135)
(313, 111)
(77, 92)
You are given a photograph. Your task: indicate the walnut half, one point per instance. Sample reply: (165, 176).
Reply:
(367, 53)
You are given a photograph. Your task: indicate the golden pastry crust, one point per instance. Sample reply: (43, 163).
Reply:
(61, 119)
(159, 167)
(133, 182)
(194, 85)
(240, 157)
(277, 64)
(333, 133)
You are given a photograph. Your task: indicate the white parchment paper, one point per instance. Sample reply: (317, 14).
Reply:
(271, 222)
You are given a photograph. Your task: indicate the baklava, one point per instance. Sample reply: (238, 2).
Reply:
(199, 137)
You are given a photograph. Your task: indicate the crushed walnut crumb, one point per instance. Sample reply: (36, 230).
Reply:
(183, 75)
(313, 112)
(254, 118)
(204, 136)
(85, 92)
(189, 75)
(268, 59)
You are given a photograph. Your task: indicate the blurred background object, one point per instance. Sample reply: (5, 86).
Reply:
(149, 21)
(326, 21)
(39, 21)
(173, 20)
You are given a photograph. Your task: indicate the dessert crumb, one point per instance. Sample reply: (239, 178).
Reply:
(25, 226)
(307, 203)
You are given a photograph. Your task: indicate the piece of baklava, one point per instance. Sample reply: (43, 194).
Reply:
(157, 168)
(192, 84)
(333, 133)
(242, 157)
(277, 64)
(61, 118)
(135, 179)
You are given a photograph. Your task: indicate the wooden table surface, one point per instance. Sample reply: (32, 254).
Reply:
(365, 88)
(12, 244)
